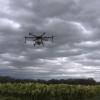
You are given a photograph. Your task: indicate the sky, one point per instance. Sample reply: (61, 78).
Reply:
(75, 52)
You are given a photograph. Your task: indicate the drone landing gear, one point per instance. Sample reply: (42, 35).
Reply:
(34, 44)
(42, 43)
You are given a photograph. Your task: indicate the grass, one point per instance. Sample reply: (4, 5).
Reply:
(31, 91)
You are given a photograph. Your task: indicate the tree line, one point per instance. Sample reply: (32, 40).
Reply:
(88, 81)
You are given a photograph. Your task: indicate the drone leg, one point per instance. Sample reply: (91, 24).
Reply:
(42, 44)
(25, 40)
(34, 44)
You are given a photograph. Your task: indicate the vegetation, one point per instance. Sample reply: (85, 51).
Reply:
(70, 89)
(31, 91)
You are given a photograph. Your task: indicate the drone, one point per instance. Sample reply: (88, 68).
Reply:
(39, 39)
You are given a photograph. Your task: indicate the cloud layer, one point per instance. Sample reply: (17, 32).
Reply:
(75, 52)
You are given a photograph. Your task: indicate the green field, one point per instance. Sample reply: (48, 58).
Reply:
(31, 91)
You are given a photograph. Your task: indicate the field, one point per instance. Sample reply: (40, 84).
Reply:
(31, 91)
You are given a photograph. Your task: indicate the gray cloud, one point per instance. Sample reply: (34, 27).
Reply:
(76, 46)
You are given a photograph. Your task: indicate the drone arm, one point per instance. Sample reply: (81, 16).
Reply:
(29, 37)
(51, 37)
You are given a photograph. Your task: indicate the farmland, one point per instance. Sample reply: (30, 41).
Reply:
(38, 91)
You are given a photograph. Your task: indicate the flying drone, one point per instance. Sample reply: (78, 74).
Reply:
(39, 39)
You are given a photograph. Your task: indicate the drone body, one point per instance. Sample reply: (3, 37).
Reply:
(39, 39)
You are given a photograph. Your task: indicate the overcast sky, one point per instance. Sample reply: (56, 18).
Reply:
(75, 52)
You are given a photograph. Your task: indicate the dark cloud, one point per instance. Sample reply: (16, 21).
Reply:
(76, 46)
